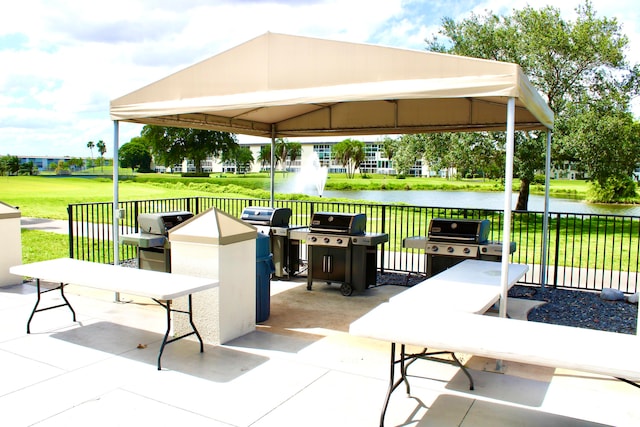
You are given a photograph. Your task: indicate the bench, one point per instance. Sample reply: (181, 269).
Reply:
(159, 286)
(592, 351)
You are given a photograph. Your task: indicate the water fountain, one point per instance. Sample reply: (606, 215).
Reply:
(312, 176)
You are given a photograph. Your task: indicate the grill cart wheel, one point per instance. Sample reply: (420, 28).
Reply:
(346, 289)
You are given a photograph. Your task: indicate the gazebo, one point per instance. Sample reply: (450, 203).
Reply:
(284, 86)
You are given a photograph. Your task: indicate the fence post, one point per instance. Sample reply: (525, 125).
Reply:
(384, 230)
(557, 250)
(70, 222)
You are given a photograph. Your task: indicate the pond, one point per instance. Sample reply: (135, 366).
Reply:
(484, 200)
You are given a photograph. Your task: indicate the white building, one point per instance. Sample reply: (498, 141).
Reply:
(375, 161)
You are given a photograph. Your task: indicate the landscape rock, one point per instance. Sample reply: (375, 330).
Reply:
(633, 299)
(609, 294)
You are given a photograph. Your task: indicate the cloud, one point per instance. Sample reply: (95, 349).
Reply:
(65, 60)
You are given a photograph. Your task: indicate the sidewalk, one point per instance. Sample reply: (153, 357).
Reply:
(44, 224)
(299, 368)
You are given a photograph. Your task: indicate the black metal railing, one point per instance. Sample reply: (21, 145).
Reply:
(584, 251)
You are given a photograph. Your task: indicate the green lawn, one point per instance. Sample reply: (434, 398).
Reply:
(48, 197)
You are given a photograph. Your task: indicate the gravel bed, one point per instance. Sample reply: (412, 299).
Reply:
(579, 308)
(584, 309)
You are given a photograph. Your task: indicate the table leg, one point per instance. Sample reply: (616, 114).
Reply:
(393, 384)
(167, 306)
(39, 299)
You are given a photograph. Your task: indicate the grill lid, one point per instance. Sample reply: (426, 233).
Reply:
(459, 230)
(259, 215)
(161, 222)
(338, 222)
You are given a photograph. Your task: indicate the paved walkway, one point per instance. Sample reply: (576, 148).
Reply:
(299, 368)
(44, 224)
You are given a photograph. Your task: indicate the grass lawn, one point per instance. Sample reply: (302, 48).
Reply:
(48, 197)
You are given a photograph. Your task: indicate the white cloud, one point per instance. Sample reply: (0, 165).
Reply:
(64, 60)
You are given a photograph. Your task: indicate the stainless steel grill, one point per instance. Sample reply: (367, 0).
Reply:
(451, 241)
(339, 250)
(274, 222)
(154, 249)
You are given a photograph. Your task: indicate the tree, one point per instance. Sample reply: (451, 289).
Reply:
(172, 145)
(609, 148)
(569, 62)
(295, 151)
(350, 153)
(26, 168)
(241, 157)
(102, 149)
(90, 146)
(135, 154)
(404, 151)
(265, 155)
(281, 151)
(11, 165)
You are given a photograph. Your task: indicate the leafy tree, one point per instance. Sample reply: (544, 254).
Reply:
(609, 148)
(135, 154)
(350, 153)
(569, 62)
(241, 157)
(404, 151)
(172, 145)
(11, 165)
(26, 168)
(76, 162)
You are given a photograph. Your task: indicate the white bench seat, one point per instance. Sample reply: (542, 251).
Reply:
(159, 286)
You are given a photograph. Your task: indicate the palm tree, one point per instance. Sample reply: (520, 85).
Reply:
(90, 146)
(350, 153)
(265, 155)
(101, 149)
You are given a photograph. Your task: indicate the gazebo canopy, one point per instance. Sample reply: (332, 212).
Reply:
(283, 86)
(287, 86)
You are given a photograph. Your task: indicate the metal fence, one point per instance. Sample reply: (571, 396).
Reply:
(585, 251)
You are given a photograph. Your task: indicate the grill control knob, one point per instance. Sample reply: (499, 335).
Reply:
(450, 249)
(434, 248)
(314, 238)
(339, 241)
(327, 240)
(484, 249)
(467, 251)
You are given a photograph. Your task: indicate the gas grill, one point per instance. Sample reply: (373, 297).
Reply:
(451, 241)
(154, 249)
(339, 250)
(274, 222)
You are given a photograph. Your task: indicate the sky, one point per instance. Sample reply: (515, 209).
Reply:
(61, 62)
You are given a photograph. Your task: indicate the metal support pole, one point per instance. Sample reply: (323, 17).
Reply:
(545, 219)
(116, 202)
(272, 168)
(506, 230)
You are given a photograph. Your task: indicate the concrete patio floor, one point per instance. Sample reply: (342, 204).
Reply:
(299, 368)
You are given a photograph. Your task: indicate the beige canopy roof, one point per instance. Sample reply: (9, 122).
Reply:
(279, 85)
